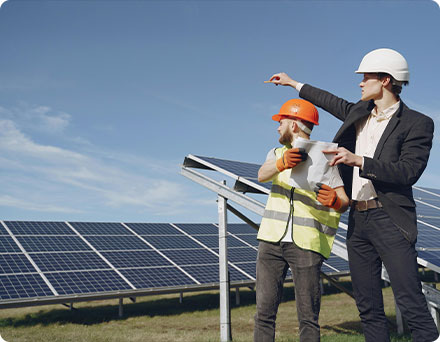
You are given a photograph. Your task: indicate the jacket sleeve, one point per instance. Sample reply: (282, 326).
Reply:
(413, 148)
(336, 106)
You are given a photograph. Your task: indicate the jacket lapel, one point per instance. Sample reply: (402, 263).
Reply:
(388, 130)
(353, 117)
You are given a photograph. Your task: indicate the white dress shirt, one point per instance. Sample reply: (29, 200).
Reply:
(368, 133)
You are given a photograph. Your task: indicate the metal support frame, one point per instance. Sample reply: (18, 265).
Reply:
(121, 307)
(225, 311)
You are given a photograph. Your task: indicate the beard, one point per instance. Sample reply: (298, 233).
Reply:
(286, 138)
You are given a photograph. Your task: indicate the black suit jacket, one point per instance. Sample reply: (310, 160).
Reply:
(399, 160)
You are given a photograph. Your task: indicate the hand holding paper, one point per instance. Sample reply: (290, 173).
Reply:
(291, 158)
(343, 156)
(316, 168)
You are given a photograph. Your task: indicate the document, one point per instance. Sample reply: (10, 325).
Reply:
(316, 168)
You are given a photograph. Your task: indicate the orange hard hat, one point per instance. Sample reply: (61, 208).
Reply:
(298, 109)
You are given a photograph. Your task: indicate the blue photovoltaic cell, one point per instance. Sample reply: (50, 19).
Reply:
(67, 283)
(100, 228)
(198, 228)
(211, 241)
(206, 274)
(425, 211)
(237, 254)
(431, 196)
(8, 245)
(116, 243)
(235, 275)
(52, 243)
(3, 231)
(250, 239)
(38, 228)
(135, 259)
(334, 264)
(23, 286)
(15, 263)
(191, 256)
(49, 262)
(241, 169)
(153, 228)
(344, 217)
(241, 228)
(172, 242)
(248, 267)
(144, 278)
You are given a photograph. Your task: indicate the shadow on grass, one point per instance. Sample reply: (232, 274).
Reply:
(152, 307)
(106, 313)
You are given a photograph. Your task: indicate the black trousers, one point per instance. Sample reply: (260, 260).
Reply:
(273, 262)
(373, 238)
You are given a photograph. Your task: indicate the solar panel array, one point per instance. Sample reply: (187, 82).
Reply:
(70, 259)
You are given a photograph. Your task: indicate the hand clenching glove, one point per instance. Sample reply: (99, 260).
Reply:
(327, 196)
(291, 158)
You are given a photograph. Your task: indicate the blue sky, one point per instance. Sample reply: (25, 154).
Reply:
(100, 101)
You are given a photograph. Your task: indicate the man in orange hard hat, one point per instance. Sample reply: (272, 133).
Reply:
(297, 229)
(384, 150)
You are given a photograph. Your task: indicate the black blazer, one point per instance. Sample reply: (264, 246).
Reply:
(399, 160)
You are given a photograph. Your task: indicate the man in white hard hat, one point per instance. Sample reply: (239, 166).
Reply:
(297, 230)
(383, 150)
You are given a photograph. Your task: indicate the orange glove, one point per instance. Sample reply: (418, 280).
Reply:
(291, 158)
(328, 196)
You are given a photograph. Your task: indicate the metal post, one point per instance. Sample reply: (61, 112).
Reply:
(121, 309)
(181, 298)
(225, 315)
(237, 296)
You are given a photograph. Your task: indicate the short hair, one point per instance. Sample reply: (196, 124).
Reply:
(396, 86)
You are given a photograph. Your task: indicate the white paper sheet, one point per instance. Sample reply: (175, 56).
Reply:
(316, 168)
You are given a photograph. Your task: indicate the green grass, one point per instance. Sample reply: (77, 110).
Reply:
(163, 318)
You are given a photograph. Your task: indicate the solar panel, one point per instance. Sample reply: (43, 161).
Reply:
(52, 243)
(155, 277)
(38, 228)
(15, 263)
(153, 228)
(8, 245)
(116, 242)
(68, 261)
(136, 259)
(79, 282)
(99, 228)
(21, 286)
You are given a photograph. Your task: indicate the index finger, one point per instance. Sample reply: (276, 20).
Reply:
(274, 77)
(330, 151)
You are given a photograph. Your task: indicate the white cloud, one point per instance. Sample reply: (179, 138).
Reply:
(37, 118)
(9, 201)
(36, 175)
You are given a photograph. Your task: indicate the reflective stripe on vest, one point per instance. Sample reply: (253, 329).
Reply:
(313, 225)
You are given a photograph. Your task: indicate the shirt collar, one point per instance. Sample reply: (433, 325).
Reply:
(387, 113)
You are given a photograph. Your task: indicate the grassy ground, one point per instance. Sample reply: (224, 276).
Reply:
(163, 318)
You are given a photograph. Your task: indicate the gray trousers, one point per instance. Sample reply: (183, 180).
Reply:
(273, 261)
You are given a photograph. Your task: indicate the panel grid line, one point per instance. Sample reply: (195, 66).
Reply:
(26, 254)
(101, 256)
(209, 249)
(163, 255)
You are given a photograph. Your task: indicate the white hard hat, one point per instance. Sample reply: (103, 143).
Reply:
(385, 60)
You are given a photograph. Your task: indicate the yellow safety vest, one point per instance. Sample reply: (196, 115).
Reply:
(313, 225)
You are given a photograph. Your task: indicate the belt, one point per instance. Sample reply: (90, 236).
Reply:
(366, 205)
